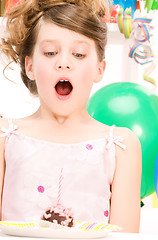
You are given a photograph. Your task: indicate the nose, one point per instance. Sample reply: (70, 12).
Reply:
(63, 67)
(63, 62)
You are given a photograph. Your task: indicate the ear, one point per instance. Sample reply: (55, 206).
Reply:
(29, 68)
(101, 70)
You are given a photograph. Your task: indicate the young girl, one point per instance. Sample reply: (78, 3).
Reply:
(60, 45)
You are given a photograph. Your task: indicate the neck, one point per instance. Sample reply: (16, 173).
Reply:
(78, 116)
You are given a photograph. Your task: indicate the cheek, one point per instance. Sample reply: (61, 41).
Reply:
(41, 74)
(86, 83)
(89, 75)
(40, 68)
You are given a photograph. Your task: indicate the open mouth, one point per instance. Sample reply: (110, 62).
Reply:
(63, 87)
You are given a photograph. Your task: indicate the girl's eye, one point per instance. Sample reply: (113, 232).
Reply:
(50, 53)
(79, 55)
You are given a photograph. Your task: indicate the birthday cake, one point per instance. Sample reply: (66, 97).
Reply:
(59, 215)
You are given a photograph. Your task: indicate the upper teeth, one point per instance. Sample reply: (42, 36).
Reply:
(63, 80)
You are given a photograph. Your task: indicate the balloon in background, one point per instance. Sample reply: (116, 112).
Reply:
(131, 105)
(132, 4)
(156, 175)
(151, 4)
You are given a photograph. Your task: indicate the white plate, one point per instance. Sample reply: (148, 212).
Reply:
(24, 229)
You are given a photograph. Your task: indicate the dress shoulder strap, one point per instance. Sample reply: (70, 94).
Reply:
(116, 140)
(111, 133)
(7, 131)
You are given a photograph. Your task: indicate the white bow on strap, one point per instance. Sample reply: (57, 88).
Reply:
(117, 140)
(7, 132)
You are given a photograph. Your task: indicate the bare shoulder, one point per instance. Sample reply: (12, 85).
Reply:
(3, 123)
(129, 137)
(131, 157)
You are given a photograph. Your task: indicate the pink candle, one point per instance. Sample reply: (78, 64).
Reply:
(60, 186)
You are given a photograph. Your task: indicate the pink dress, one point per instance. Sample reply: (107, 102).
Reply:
(33, 169)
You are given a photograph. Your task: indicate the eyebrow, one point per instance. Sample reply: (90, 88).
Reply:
(82, 42)
(48, 40)
(55, 41)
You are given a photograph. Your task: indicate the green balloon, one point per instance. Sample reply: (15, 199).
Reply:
(131, 105)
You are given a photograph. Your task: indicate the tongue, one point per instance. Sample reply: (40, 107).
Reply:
(63, 88)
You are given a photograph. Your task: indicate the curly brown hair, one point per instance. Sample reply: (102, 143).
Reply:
(23, 23)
